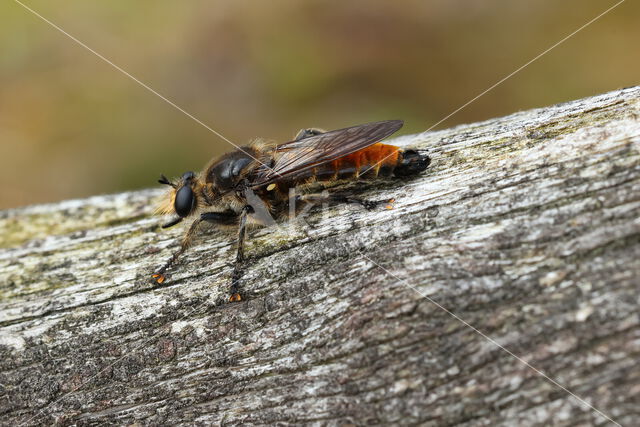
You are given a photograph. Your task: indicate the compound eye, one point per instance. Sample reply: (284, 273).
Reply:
(184, 201)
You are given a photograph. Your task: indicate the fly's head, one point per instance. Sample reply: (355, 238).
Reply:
(182, 199)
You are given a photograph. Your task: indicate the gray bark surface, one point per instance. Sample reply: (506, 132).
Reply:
(526, 227)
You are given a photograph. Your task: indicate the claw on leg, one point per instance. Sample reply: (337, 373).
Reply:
(389, 204)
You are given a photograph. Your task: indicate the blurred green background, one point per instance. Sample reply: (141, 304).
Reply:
(72, 126)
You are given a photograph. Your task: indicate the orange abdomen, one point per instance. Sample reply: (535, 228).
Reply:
(377, 159)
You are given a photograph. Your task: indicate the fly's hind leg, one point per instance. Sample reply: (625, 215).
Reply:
(339, 198)
(306, 133)
(367, 204)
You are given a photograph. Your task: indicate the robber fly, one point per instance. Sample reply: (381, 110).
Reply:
(255, 180)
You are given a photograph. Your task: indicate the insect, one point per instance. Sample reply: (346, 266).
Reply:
(253, 183)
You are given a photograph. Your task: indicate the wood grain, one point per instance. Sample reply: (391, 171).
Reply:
(527, 227)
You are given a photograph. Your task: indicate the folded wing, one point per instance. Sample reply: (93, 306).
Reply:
(294, 157)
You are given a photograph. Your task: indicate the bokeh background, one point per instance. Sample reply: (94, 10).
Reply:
(72, 126)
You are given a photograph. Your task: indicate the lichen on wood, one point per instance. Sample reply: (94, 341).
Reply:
(525, 226)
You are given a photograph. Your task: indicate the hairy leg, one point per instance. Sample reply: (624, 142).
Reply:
(306, 133)
(237, 267)
(227, 218)
(223, 218)
(184, 245)
(335, 198)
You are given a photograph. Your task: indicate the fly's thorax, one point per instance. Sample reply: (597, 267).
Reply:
(226, 172)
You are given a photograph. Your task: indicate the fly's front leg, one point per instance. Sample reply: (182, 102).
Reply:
(159, 276)
(237, 266)
(222, 218)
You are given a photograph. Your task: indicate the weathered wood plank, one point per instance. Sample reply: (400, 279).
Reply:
(526, 227)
